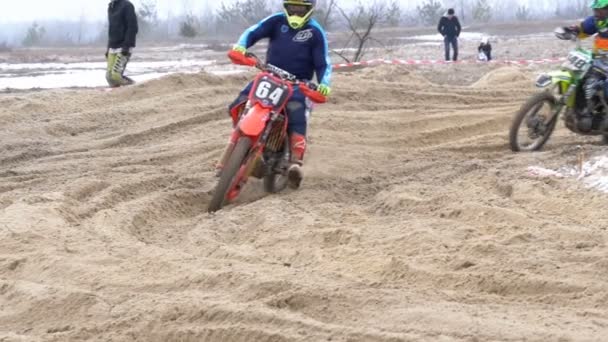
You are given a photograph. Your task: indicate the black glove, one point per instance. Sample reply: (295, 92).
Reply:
(573, 29)
(566, 33)
(125, 52)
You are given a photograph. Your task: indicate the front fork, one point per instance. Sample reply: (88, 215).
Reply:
(252, 160)
(252, 163)
(247, 166)
(228, 150)
(564, 100)
(254, 166)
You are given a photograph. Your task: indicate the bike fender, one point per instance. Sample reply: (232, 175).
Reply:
(554, 77)
(563, 77)
(559, 76)
(253, 123)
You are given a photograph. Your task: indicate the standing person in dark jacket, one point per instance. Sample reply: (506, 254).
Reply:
(122, 30)
(449, 27)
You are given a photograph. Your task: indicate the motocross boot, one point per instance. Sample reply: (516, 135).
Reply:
(116, 64)
(585, 120)
(297, 143)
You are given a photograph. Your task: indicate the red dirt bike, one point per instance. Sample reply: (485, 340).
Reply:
(259, 145)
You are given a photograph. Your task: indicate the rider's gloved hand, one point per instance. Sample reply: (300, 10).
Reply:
(324, 90)
(240, 49)
(567, 32)
(574, 29)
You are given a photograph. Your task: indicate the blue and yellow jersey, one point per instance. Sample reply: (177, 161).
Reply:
(588, 28)
(302, 52)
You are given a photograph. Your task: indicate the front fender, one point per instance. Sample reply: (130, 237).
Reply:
(252, 124)
(563, 78)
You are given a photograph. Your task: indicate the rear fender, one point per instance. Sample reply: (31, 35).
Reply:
(252, 124)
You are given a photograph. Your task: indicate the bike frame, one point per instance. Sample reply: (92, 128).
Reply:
(256, 124)
(566, 81)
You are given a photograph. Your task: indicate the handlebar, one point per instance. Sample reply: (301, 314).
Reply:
(249, 59)
(567, 33)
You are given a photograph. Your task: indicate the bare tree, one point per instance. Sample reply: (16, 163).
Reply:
(208, 20)
(579, 8)
(523, 13)
(461, 9)
(189, 27)
(393, 15)
(81, 23)
(241, 14)
(430, 12)
(361, 22)
(482, 11)
(324, 12)
(34, 35)
(4, 47)
(147, 16)
(504, 10)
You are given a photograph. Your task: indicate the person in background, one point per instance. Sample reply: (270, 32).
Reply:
(449, 27)
(122, 32)
(485, 50)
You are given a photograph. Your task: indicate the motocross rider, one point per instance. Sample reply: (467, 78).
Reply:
(594, 25)
(298, 45)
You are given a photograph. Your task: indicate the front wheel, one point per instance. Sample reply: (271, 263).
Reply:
(531, 119)
(227, 182)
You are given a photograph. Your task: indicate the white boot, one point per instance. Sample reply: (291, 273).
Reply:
(294, 172)
(295, 175)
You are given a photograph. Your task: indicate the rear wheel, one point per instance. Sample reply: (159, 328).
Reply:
(226, 183)
(275, 182)
(530, 129)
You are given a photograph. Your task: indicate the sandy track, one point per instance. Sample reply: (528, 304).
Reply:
(414, 221)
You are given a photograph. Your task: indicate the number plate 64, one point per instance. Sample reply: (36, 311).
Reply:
(271, 93)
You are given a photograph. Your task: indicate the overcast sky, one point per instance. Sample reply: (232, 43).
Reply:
(30, 10)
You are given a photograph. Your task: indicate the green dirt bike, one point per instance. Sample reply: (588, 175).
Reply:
(569, 89)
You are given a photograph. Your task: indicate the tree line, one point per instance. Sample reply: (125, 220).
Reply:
(230, 19)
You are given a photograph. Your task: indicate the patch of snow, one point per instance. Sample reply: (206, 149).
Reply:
(593, 173)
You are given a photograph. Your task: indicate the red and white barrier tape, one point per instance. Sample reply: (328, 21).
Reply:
(434, 62)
